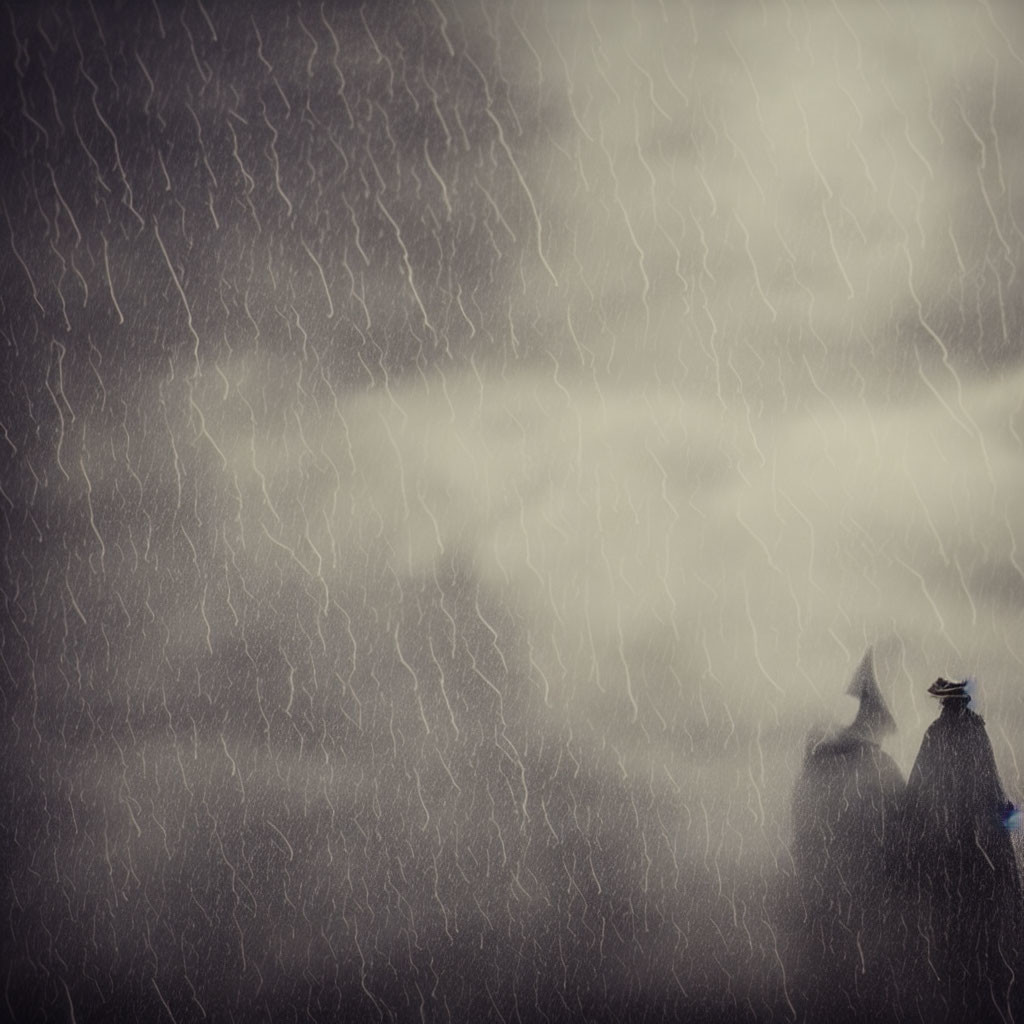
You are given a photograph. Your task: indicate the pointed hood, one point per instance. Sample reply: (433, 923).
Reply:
(873, 720)
(846, 803)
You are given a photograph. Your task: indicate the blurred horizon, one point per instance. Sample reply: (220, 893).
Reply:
(454, 454)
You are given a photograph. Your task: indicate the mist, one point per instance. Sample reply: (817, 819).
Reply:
(453, 456)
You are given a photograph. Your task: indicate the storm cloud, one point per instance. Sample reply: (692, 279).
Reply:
(452, 455)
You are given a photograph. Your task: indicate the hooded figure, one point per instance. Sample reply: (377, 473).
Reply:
(846, 806)
(957, 893)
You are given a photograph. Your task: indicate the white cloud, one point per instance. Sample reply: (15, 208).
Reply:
(672, 562)
(766, 201)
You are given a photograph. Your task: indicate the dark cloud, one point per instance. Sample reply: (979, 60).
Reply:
(451, 456)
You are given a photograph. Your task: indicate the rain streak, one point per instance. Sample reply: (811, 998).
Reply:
(455, 457)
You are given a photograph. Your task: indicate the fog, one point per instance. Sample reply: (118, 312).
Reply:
(453, 456)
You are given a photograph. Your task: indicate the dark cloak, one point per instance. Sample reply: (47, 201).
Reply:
(956, 900)
(846, 809)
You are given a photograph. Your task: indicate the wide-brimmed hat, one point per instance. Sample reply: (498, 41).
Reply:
(944, 689)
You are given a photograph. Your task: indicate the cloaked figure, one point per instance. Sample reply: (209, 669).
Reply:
(846, 807)
(956, 920)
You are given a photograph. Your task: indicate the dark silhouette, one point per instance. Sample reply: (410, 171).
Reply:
(956, 906)
(910, 896)
(846, 806)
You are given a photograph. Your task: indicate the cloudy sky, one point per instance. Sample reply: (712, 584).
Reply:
(453, 454)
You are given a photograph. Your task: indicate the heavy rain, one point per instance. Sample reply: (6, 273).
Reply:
(456, 456)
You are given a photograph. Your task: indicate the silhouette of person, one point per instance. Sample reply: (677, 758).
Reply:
(846, 806)
(956, 926)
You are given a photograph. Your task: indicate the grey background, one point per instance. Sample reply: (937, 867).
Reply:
(452, 455)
